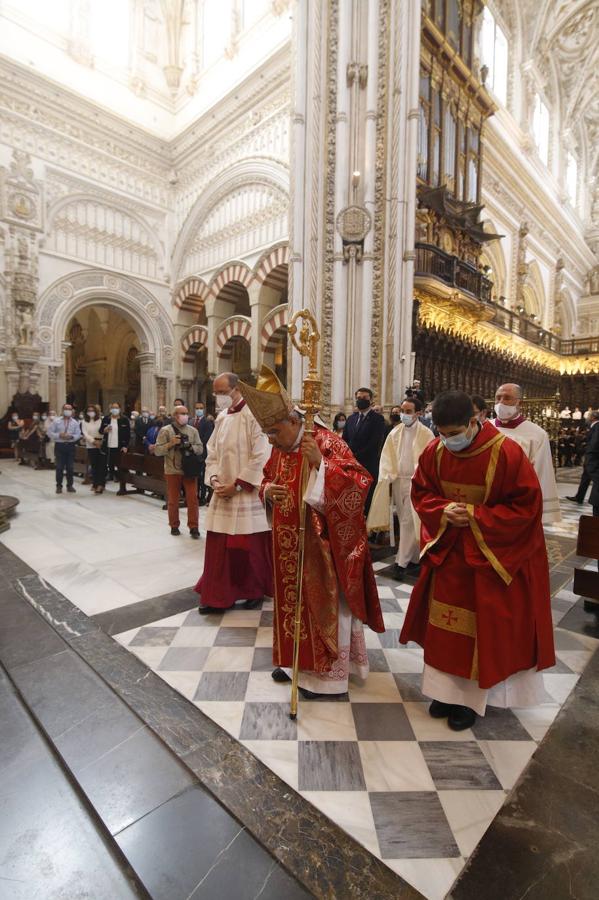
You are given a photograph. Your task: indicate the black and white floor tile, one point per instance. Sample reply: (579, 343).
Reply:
(416, 794)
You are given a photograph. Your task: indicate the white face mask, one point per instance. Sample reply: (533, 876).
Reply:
(44, 417)
(182, 419)
(506, 412)
(114, 411)
(223, 401)
(92, 414)
(35, 418)
(67, 413)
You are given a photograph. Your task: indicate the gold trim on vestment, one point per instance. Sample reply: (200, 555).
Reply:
(484, 547)
(492, 467)
(452, 618)
(441, 531)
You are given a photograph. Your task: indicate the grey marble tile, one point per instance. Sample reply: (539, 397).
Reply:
(542, 845)
(499, 725)
(195, 620)
(236, 637)
(222, 686)
(154, 636)
(578, 621)
(458, 765)
(567, 639)
(184, 659)
(24, 635)
(390, 638)
(132, 779)
(267, 618)
(98, 733)
(560, 668)
(330, 766)
(267, 722)
(412, 825)
(11, 566)
(409, 688)
(50, 845)
(262, 661)
(134, 615)
(60, 613)
(61, 690)
(382, 722)
(377, 661)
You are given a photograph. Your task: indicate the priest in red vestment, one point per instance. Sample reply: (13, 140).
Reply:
(481, 607)
(339, 590)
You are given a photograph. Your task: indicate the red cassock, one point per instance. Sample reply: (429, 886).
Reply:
(336, 555)
(481, 608)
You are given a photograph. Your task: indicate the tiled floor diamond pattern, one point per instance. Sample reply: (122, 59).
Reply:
(415, 793)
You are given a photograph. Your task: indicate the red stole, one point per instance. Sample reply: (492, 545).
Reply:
(481, 607)
(336, 555)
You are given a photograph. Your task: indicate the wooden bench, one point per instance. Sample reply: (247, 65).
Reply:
(586, 582)
(142, 470)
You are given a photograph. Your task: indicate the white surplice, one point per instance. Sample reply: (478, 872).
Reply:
(535, 443)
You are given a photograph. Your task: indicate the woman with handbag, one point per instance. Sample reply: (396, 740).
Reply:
(181, 447)
(90, 428)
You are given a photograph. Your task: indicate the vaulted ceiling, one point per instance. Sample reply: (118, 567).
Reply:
(560, 39)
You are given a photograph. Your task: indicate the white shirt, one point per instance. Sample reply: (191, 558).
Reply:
(113, 434)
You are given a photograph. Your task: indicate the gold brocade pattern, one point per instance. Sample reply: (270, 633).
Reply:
(452, 618)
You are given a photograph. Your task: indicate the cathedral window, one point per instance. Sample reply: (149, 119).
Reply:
(540, 128)
(494, 55)
(572, 178)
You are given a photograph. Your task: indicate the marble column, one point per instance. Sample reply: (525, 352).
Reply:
(147, 369)
(353, 185)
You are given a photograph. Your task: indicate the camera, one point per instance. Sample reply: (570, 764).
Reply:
(184, 440)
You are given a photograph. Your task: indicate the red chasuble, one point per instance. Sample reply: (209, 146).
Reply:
(481, 608)
(336, 555)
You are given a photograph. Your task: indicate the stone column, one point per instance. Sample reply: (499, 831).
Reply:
(53, 372)
(355, 98)
(147, 368)
(160, 392)
(185, 385)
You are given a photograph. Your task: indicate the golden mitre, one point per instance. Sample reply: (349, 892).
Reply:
(269, 402)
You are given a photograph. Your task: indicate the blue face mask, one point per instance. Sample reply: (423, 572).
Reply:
(199, 413)
(458, 441)
(407, 419)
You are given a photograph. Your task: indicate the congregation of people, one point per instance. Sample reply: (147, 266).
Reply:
(463, 487)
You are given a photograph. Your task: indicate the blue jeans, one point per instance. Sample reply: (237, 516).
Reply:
(64, 455)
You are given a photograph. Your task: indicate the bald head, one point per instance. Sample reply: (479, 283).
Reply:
(508, 398)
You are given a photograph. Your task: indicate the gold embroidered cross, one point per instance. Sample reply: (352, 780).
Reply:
(459, 495)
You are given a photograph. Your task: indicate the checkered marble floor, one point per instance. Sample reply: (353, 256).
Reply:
(416, 794)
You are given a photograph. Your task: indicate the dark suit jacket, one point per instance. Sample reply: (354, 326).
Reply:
(591, 463)
(124, 431)
(366, 442)
(204, 427)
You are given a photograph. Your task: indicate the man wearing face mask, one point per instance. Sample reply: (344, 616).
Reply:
(533, 440)
(364, 433)
(481, 608)
(174, 439)
(116, 432)
(142, 423)
(64, 432)
(238, 558)
(399, 459)
(204, 428)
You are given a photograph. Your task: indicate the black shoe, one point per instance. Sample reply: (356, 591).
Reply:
(59, 489)
(279, 675)
(413, 569)
(439, 710)
(208, 610)
(175, 531)
(310, 695)
(253, 604)
(398, 572)
(71, 489)
(461, 717)
(575, 500)
(195, 534)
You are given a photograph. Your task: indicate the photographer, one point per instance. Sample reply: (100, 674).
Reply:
(181, 447)
(415, 392)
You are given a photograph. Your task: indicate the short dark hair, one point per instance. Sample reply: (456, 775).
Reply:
(479, 402)
(417, 403)
(452, 408)
(177, 403)
(364, 391)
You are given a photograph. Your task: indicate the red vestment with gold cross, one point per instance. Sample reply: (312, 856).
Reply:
(336, 555)
(481, 608)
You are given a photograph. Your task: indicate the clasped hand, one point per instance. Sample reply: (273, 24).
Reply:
(457, 515)
(276, 493)
(309, 449)
(224, 491)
